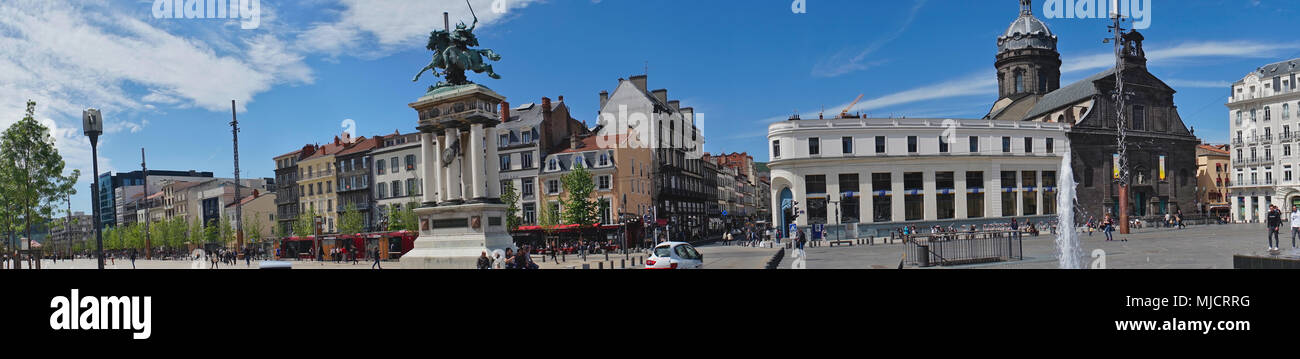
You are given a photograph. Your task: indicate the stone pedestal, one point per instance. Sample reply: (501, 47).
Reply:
(449, 239)
(466, 219)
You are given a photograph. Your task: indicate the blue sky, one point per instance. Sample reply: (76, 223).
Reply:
(166, 84)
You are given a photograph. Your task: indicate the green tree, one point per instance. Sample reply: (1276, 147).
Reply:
(33, 172)
(352, 222)
(511, 198)
(225, 230)
(549, 218)
(579, 207)
(305, 225)
(253, 228)
(197, 235)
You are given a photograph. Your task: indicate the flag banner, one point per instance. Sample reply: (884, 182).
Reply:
(1162, 167)
(1114, 165)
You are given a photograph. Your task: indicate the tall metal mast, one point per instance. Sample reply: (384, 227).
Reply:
(148, 245)
(239, 206)
(1120, 96)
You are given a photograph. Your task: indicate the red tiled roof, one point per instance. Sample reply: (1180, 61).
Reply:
(365, 144)
(1214, 148)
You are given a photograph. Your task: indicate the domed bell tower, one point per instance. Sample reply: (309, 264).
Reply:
(1027, 60)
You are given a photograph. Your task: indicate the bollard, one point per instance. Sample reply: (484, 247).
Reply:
(600, 265)
(622, 264)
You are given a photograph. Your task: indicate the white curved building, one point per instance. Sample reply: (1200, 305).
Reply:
(885, 173)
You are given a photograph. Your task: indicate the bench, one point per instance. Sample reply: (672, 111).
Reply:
(848, 241)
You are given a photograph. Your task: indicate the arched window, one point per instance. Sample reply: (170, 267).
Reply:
(1020, 81)
(1268, 113)
(1042, 81)
(1286, 111)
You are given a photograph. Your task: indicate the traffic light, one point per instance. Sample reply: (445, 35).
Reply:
(794, 211)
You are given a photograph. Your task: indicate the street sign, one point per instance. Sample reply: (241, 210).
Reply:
(724, 212)
(793, 228)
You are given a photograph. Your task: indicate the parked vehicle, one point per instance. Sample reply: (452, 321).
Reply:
(675, 255)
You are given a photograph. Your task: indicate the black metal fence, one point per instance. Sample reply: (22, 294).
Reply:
(958, 248)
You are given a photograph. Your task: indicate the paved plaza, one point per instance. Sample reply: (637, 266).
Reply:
(715, 257)
(1196, 247)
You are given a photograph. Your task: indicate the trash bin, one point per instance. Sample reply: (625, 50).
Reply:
(923, 255)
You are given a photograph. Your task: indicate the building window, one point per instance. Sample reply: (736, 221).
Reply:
(1020, 81)
(911, 144)
(379, 166)
(503, 141)
(505, 162)
(815, 184)
(383, 190)
(604, 183)
(881, 202)
(1050, 148)
(849, 198)
(1286, 111)
(943, 144)
(914, 198)
(974, 144)
(814, 146)
(1009, 193)
(530, 213)
(847, 144)
(945, 195)
(1238, 118)
(1006, 145)
(1029, 145)
(975, 194)
(1049, 192)
(527, 189)
(410, 162)
(552, 187)
(553, 165)
(1268, 113)
(1029, 184)
(411, 188)
(604, 160)
(776, 149)
(526, 160)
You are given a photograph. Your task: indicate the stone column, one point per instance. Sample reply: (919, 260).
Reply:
(428, 150)
(898, 198)
(452, 177)
(475, 156)
(959, 195)
(493, 175)
(866, 213)
(929, 196)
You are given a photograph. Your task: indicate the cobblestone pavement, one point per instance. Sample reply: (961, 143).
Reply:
(1196, 247)
(715, 257)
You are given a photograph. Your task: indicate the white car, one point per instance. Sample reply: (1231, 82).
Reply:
(675, 255)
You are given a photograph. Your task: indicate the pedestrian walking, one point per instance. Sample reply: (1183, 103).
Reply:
(133, 254)
(484, 262)
(1295, 224)
(1274, 223)
(376, 264)
(1108, 226)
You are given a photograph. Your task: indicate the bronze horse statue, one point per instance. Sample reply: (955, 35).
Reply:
(452, 54)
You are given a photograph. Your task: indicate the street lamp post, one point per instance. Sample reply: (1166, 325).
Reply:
(93, 125)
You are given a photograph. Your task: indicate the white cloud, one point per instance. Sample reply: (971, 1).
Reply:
(1181, 83)
(376, 27)
(1165, 56)
(846, 61)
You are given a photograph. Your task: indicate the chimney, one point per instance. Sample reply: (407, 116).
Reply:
(546, 108)
(575, 142)
(639, 81)
(662, 95)
(604, 98)
(505, 111)
(336, 140)
(675, 105)
(561, 99)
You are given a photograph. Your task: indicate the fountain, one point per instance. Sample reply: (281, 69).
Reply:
(1067, 239)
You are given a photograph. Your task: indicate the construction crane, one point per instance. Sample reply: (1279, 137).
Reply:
(845, 113)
